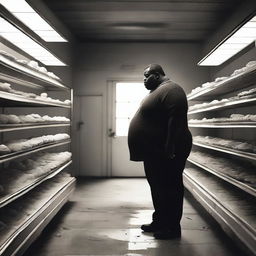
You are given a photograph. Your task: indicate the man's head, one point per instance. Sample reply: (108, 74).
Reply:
(153, 76)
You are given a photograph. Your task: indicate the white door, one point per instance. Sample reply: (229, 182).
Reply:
(91, 136)
(125, 98)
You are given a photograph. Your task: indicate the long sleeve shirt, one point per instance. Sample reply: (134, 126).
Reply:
(160, 125)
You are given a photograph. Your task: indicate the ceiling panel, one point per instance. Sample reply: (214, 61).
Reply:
(142, 20)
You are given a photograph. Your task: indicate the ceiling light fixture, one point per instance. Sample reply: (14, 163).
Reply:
(28, 45)
(238, 40)
(139, 26)
(27, 15)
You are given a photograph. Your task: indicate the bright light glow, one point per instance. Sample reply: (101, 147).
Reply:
(234, 44)
(26, 14)
(128, 99)
(25, 43)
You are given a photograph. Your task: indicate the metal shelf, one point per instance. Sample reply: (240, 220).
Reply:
(16, 127)
(226, 105)
(246, 188)
(19, 81)
(247, 155)
(224, 125)
(11, 68)
(231, 84)
(12, 100)
(222, 204)
(18, 154)
(14, 196)
(31, 228)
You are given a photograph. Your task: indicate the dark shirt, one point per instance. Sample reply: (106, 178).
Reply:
(160, 121)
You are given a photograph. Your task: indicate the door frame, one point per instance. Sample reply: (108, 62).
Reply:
(109, 113)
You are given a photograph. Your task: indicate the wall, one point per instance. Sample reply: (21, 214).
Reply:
(97, 63)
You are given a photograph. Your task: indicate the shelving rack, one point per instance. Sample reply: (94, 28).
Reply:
(242, 154)
(231, 84)
(26, 232)
(226, 105)
(12, 100)
(224, 125)
(221, 194)
(225, 204)
(12, 72)
(27, 152)
(17, 127)
(25, 189)
(18, 237)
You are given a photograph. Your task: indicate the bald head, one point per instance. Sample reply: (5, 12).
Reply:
(155, 69)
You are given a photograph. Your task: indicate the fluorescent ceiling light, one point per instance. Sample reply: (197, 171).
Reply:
(27, 15)
(25, 43)
(231, 46)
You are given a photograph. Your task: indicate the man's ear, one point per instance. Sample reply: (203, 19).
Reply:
(157, 76)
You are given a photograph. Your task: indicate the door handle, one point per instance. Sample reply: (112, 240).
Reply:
(111, 133)
(79, 124)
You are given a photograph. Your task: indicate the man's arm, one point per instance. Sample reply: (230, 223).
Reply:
(173, 133)
(172, 101)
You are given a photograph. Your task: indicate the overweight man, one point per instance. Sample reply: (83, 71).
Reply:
(159, 136)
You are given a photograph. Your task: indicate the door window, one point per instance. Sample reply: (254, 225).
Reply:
(128, 98)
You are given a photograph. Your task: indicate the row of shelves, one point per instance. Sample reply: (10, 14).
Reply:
(226, 105)
(230, 199)
(12, 100)
(241, 185)
(235, 212)
(231, 84)
(223, 125)
(17, 73)
(28, 126)
(28, 231)
(24, 190)
(242, 154)
(27, 152)
(15, 240)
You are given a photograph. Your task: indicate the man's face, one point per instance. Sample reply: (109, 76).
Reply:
(150, 80)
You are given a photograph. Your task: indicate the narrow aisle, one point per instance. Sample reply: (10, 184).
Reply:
(104, 216)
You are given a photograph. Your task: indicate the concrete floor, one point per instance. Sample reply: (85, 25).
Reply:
(104, 216)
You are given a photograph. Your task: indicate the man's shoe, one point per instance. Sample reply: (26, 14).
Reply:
(167, 234)
(152, 227)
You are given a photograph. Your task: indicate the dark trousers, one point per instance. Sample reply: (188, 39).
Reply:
(165, 179)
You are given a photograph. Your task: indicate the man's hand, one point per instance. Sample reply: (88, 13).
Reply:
(170, 151)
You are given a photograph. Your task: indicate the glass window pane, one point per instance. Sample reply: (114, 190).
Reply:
(128, 99)
(127, 92)
(126, 110)
(122, 126)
